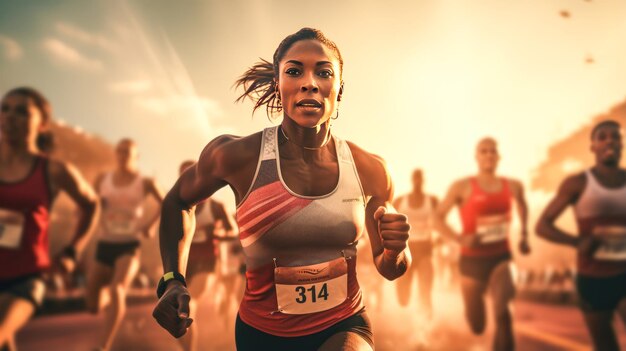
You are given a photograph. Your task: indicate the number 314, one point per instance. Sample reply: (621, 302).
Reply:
(302, 291)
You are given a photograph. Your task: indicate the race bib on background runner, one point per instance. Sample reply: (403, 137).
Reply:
(11, 228)
(310, 289)
(612, 243)
(492, 229)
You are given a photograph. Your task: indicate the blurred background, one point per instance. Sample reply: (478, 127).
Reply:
(424, 81)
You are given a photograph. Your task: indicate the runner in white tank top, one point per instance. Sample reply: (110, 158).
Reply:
(419, 208)
(122, 224)
(598, 196)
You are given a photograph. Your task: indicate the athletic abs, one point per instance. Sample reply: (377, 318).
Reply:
(300, 250)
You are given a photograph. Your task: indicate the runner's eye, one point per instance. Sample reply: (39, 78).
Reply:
(293, 72)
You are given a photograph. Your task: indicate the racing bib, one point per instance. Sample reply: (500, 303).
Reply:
(310, 289)
(492, 229)
(612, 243)
(11, 228)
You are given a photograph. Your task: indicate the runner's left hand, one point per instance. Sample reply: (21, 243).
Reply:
(393, 229)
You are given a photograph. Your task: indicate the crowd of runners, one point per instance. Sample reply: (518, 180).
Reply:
(282, 265)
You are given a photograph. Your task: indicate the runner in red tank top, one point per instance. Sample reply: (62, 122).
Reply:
(598, 196)
(29, 183)
(484, 203)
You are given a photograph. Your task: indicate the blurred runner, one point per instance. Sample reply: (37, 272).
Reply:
(29, 183)
(419, 208)
(484, 203)
(122, 194)
(598, 196)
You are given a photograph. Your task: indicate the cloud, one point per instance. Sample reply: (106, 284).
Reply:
(67, 55)
(161, 84)
(131, 86)
(11, 48)
(81, 35)
(177, 106)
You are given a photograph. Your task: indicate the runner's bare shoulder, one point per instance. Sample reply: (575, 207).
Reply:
(228, 154)
(573, 186)
(372, 169)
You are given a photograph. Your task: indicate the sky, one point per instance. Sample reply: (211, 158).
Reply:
(424, 80)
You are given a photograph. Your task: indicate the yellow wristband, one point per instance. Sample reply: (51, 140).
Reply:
(168, 276)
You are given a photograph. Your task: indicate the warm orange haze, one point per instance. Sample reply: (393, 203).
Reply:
(422, 83)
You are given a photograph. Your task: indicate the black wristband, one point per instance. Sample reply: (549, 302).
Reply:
(70, 252)
(166, 278)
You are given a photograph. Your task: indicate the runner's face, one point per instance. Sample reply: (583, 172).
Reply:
(20, 119)
(127, 154)
(309, 83)
(487, 155)
(607, 145)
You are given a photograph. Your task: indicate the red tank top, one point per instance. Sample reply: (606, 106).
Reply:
(24, 220)
(488, 215)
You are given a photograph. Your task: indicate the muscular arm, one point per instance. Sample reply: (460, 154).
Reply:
(388, 232)
(226, 160)
(568, 194)
(67, 178)
(452, 198)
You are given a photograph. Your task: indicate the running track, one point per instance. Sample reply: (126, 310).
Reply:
(539, 327)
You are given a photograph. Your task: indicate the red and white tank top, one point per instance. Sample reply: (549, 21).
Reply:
(487, 215)
(300, 251)
(601, 212)
(420, 219)
(24, 221)
(122, 209)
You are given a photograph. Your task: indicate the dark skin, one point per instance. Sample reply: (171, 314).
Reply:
(606, 144)
(230, 160)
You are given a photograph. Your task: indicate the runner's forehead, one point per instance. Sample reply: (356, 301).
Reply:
(609, 129)
(487, 144)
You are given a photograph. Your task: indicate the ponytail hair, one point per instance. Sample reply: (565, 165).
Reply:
(259, 82)
(259, 86)
(45, 139)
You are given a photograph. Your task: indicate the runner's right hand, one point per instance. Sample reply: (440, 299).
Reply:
(172, 310)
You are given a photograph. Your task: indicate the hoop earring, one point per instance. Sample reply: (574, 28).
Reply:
(279, 101)
(336, 116)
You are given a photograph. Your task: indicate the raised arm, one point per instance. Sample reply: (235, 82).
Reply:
(568, 194)
(65, 177)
